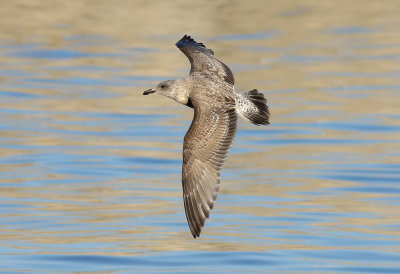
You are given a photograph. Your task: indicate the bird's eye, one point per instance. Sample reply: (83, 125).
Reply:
(163, 86)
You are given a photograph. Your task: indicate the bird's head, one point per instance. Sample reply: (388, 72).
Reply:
(165, 88)
(174, 89)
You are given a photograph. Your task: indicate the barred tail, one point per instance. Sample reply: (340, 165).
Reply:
(252, 105)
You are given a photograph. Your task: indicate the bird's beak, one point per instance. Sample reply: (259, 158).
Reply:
(149, 91)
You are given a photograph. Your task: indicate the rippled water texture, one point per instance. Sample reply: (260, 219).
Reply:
(90, 168)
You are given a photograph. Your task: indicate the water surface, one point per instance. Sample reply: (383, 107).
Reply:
(90, 168)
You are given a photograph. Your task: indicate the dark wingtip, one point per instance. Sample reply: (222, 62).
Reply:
(187, 40)
(195, 235)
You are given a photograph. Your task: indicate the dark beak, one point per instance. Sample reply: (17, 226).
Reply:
(149, 91)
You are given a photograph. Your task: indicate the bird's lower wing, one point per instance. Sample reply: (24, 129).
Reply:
(205, 148)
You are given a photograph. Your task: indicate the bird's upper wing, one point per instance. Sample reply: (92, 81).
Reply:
(202, 60)
(205, 147)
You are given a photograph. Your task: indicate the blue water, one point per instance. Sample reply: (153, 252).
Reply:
(90, 168)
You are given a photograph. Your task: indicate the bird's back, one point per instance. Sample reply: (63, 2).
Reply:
(209, 90)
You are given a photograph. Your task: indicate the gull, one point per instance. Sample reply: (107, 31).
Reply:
(209, 90)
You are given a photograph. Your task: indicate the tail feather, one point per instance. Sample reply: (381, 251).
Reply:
(252, 105)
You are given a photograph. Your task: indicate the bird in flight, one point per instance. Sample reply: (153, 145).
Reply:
(209, 90)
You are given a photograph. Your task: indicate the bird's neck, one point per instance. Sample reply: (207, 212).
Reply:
(181, 91)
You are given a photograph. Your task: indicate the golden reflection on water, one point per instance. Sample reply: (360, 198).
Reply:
(313, 73)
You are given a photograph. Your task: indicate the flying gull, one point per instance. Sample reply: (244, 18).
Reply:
(209, 90)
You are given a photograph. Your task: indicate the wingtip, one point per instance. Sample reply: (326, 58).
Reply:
(187, 40)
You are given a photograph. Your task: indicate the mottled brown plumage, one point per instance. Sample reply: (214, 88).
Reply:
(209, 90)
